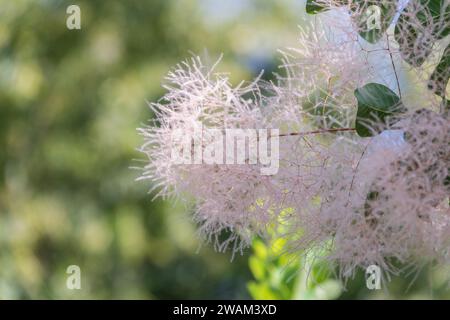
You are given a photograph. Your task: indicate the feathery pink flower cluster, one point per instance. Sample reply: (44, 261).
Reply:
(376, 200)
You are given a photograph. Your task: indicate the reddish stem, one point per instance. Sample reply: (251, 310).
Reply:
(315, 132)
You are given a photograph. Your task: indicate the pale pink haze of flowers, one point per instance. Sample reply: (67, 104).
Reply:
(366, 200)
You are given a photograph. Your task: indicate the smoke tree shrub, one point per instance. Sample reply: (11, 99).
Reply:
(362, 111)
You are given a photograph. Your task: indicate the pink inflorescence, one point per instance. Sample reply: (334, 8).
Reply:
(375, 200)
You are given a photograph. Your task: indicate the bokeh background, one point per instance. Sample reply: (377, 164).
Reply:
(70, 103)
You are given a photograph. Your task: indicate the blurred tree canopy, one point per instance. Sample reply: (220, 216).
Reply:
(70, 101)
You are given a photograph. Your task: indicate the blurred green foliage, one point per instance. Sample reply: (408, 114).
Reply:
(281, 273)
(70, 101)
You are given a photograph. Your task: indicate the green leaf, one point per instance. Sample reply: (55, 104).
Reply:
(257, 268)
(376, 103)
(313, 7)
(260, 249)
(262, 291)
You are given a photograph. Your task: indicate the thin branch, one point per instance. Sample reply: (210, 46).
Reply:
(393, 67)
(355, 172)
(290, 134)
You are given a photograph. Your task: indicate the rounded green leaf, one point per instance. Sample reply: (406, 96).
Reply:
(376, 104)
